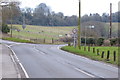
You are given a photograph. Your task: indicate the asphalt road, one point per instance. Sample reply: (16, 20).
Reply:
(48, 61)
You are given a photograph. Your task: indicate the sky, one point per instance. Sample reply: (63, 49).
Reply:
(71, 7)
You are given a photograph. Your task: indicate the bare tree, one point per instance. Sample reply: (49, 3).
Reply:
(9, 10)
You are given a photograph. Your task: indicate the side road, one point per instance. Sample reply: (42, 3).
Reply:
(8, 68)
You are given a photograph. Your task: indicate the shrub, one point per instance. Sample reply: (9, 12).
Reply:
(5, 28)
(107, 42)
(100, 41)
(66, 39)
(113, 42)
(90, 41)
(82, 40)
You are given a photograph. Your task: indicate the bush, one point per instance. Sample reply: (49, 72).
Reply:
(82, 40)
(90, 41)
(113, 42)
(118, 40)
(5, 28)
(100, 41)
(107, 42)
(66, 39)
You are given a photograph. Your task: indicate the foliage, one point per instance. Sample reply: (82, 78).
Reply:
(66, 39)
(82, 40)
(98, 30)
(44, 16)
(5, 28)
(113, 42)
(103, 18)
(100, 41)
(90, 41)
(10, 11)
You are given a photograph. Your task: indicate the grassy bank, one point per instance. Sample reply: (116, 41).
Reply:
(95, 55)
(17, 40)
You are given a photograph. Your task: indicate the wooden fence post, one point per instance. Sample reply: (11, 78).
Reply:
(93, 50)
(89, 48)
(114, 53)
(108, 55)
(98, 52)
(102, 56)
(44, 40)
(85, 48)
(52, 40)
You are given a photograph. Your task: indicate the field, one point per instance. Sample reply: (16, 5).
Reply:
(95, 55)
(40, 32)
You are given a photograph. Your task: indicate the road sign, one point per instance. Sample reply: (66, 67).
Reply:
(74, 31)
(74, 37)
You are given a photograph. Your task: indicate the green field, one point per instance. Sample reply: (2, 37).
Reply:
(40, 32)
(95, 56)
(32, 31)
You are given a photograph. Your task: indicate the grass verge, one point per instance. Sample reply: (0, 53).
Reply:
(94, 56)
(17, 40)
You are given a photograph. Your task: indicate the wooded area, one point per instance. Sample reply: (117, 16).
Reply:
(44, 16)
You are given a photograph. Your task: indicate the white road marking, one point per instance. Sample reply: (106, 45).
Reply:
(12, 58)
(18, 74)
(84, 72)
(89, 59)
(39, 51)
(26, 75)
(15, 55)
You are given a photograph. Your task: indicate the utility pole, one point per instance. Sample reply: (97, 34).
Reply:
(79, 26)
(1, 16)
(85, 36)
(11, 19)
(110, 29)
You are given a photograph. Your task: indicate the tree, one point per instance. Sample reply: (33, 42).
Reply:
(97, 31)
(5, 28)
(43, 15)
(105, 17)
(10, 10)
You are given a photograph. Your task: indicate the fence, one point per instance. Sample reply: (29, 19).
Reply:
(107, 55)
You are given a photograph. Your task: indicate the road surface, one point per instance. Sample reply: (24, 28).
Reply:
(48, 61)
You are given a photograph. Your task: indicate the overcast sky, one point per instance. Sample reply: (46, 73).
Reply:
(70, 7)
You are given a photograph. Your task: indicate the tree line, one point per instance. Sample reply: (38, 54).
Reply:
(44, 16)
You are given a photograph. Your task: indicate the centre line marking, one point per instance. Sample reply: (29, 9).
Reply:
(84, 72)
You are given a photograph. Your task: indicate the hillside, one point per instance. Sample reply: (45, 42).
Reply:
(41, 32)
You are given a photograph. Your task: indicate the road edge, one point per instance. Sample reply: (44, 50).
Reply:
(107, 64)
(15, 61)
